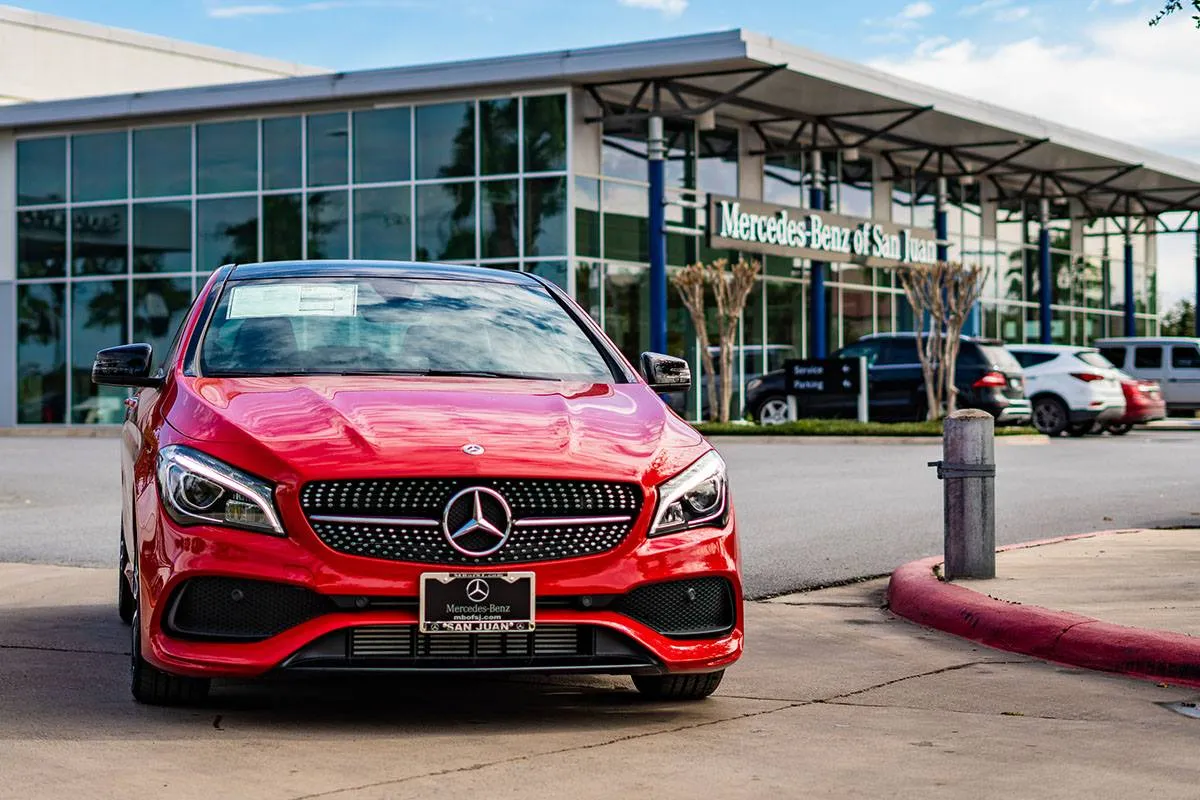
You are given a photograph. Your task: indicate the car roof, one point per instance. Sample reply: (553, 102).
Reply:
(324, 268)
(1148, 340)
(912, 335)
(1051, 348)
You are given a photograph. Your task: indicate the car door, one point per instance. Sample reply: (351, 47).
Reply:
(1183, 376)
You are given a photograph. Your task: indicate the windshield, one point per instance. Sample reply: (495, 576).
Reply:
(1094, 359)
(400, 326)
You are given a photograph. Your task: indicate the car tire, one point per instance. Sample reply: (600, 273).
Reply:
(1119, 428)
(1079, 429)
(151, 686)
(772, 411)
(1050, 416)
(124, 591)
(678, 687)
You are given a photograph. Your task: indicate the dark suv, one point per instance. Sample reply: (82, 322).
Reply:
(987, 376)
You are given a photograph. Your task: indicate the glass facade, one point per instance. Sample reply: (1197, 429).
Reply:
(117, 229)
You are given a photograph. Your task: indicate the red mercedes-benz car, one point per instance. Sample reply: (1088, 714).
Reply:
(392, 467)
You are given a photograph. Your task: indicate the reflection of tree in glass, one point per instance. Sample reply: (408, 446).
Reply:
(38, 320)
(282, 232)
(106, 309)
(241, 238)
(322, 222)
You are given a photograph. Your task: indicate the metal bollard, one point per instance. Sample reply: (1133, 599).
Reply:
(968, 470)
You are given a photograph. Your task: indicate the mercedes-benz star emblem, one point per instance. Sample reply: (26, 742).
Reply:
(478, 590)
(476, 521)
(473, 449)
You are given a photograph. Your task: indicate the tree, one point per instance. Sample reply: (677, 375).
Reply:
(1180, 320)
(1170, 7)
(941, 296)
(731, 286)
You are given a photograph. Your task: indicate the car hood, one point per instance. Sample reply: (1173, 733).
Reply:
(320, 427)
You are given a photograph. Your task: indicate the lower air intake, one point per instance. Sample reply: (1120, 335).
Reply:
(694, 608)
(239, 609)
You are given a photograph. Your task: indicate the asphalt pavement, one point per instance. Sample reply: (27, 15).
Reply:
(810, 513)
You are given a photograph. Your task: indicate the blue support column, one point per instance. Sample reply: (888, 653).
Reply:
(1130, 308)
(1196, 299)
(1045, 334)
(655, 152)
(818, 338)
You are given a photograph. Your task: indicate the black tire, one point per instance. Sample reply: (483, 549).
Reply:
(771, 411)
(1119, 428)
(1050, 416)
(124, 591)
(1079, 429)
(154, 687)
(678, 687)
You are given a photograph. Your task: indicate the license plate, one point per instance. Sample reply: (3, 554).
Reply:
(476, 602)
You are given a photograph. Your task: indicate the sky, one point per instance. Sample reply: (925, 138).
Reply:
(1092, 64)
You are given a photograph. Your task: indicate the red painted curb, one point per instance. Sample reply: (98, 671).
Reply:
(917, 594)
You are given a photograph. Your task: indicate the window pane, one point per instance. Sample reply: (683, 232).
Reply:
(41, 244)
(1147, 357)
(498, 137)
(159, 306)
(281, 153)
(555, 271)
(446, 140)
(226, 232)
(1185, 356)
(41, 171)
(627, 308)
(99, 240)
(717, 162)
(623, 156)
(162, 161)
(99, 166)
(381, 145)
(587, 217)
(626, 227)
(327, 149)
(41, 353)
(162, 237)
(328, 229)
(227, 157)
(383, 223)
(97, 321)
(545, 133)
(499, 221)
(854, 190)
(546, 217)
(446, 221)
(282, 227)
(783, 180)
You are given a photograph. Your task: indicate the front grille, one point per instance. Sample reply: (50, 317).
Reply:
(690, 608)
(235, 608)
(405, 641)
(401, 519)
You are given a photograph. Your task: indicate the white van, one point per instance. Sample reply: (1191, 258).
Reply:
(1173, 361)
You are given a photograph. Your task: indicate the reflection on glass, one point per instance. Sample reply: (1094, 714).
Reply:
(627, 308)
(902, 201)
(226, 232)
(623, 156)
(446, 221)
(446, 140)
(587, 287)
(545, 216)
(283, 233)
(884, 318)
(41, 244)
(159, 306)
(498, 223)
(855, 195)
(99, 166)
(383, 223)
(1011, 262)
(555, 271)
(328, 227)
(99, 238)
(857, 315)
(97, 321)
(41, 171)
(381, 145)
(162, 161)
(626, 227)
(162, 237)
(717, 162)
(545, 133)
(587, 217)
(498, 136)
(784, 181)
(227, 157)
(785, 316)
(328, 137)
(924, 202)
(41, 353)
(281, 153)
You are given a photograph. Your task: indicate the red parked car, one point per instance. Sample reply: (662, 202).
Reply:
(389, 467)
(1143, 403)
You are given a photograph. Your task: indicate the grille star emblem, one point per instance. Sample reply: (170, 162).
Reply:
(477, 521)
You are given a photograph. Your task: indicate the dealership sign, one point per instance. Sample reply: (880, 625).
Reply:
(799, 233)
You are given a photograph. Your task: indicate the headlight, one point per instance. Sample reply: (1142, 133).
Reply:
(754, 384)
(197, 489)
(693, 497)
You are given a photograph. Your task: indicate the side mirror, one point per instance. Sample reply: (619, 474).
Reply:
(666, 373)
(126, 365)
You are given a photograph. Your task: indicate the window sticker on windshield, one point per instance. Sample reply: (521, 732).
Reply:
(294, 300)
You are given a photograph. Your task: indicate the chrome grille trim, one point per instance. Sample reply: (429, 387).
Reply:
(539, 522)
(408, 522)
(404, 641)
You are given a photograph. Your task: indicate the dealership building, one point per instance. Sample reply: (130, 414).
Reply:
(602, 169)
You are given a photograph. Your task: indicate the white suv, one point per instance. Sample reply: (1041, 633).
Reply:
(1071, 388)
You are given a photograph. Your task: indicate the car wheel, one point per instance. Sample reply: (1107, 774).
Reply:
(1079, 429)
(678, 687)
(1050, 416)
(773, 411)
(152, 686)
(124, 592)
(1119, 428)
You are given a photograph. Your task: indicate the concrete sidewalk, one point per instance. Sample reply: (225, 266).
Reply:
(835, 698)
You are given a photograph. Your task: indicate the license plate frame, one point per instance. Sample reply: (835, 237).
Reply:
(450, 602)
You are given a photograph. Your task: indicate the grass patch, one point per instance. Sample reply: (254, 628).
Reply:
(840, 427)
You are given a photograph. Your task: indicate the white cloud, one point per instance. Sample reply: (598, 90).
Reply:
(669, 8)
(917, 10)
(1011, 14)
(264, 9)
(222, 12)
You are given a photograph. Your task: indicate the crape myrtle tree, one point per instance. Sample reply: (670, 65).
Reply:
(941, 296)
(1171, 6)
(1180, 320)
(730, 285)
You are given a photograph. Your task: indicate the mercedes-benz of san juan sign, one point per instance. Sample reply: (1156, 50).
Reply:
(391, 467)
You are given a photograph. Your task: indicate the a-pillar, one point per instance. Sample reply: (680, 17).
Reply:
(818, 336)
